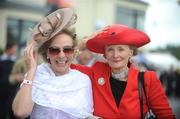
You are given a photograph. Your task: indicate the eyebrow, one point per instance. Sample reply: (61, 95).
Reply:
(67, 46)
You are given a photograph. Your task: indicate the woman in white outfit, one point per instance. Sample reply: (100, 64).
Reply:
(53, 90)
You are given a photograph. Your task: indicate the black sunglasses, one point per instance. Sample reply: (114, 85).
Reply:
(56, 50)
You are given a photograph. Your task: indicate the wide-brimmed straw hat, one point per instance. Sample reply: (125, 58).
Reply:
(117, 34)
(52, 24)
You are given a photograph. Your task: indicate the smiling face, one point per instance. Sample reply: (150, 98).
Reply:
(61, 53)
(118, 57)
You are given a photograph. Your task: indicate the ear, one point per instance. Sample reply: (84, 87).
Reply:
(131, 53)
(48, 59)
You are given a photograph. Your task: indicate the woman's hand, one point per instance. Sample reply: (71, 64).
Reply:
(31, 56)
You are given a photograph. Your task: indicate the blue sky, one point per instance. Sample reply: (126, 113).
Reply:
(163, 23)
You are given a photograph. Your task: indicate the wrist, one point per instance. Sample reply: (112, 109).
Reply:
(28, 78)
(30, 74)
(26, 82)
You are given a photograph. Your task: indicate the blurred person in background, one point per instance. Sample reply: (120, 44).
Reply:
(18, 72)
(53, 90)
(7, 91)
(177, 87)
(1, 51)
(115, 82)
(171, 81)
(86, 57)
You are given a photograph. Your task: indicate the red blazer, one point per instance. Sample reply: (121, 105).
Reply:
(129, 107)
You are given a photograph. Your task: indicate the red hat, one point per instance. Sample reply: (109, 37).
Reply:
(117, 34)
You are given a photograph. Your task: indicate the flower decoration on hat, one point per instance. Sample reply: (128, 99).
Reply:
(53, 24)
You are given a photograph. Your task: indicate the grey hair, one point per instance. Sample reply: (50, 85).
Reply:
(135, 50)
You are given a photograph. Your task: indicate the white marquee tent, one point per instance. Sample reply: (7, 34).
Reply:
(163, 61)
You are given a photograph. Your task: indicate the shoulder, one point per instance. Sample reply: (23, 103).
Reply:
(84, 69)
(147, 73)
(80, 76)
(151, 75)
(79, 67)
(78, 73)
(151, 78)
(151, 81)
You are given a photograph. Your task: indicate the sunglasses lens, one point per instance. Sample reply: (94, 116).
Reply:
(54, 51)
(68, 50)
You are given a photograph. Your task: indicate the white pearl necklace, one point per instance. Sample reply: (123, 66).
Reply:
(122, 76)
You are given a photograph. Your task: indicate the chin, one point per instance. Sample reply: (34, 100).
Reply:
(61, 71)
(116, 65)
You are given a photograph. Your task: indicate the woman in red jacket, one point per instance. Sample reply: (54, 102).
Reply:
(115, 83)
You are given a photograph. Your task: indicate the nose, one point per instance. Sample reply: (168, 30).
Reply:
(115, 53)
(61, 53)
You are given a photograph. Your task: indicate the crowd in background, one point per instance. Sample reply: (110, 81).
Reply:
(171, 81)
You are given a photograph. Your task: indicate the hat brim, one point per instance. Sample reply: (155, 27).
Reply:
(131, 37)
(52, 24)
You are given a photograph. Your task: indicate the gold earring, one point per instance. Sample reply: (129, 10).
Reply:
(77, 52)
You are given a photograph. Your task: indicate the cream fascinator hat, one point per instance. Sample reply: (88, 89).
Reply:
(51, 25)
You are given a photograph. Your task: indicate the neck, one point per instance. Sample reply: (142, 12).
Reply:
(120, 74)
(58, 73)
(61, 73)
(119, 70)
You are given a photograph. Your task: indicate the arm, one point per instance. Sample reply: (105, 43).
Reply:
(157, 98)
(23, 104)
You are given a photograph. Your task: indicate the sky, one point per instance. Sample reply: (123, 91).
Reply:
(162, 23)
